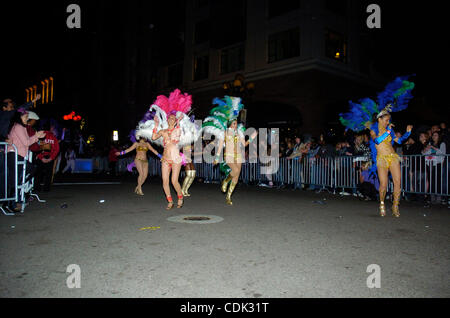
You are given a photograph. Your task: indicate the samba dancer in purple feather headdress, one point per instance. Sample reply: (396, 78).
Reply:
(172, 129)
(141, 145)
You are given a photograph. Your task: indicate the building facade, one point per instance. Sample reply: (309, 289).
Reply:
(304, 57)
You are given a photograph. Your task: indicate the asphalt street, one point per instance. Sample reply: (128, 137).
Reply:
(270, 244)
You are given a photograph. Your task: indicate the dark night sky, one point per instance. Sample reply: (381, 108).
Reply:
(36, 43)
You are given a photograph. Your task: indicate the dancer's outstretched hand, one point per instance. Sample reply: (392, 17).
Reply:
(409, 128)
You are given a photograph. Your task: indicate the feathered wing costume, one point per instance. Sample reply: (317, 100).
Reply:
(394, 98)
(177, 104)
(220, 117)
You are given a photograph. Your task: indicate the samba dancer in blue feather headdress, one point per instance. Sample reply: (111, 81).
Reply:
(376, 116)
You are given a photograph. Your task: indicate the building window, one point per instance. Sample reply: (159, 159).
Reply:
(202, 31)
(175, 75)
(284, 45)
(277, 7)
(336, 46)
(228, 23)
(201, 67)
(337, 6)
(232, 59)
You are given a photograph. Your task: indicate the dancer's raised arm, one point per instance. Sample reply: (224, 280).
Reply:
(405, 137)
(156, 134)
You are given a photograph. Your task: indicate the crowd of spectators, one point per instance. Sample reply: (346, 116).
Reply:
(56, 149)
(426, 167)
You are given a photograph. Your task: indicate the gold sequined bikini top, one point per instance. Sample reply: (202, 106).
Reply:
(388, 140)
(140, 148)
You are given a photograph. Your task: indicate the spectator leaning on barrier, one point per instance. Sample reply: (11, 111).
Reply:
(445, 168)
(445, 136)
(289, 148)
(313, 155)
(421, 185)
(301, 151)
(435, 158)
(49, 150)
(297, 145)
(18, 136)
(8, 111)
(343, 149)
(360, 148)
(326, 149)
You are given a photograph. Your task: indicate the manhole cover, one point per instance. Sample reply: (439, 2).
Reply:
(196, 219)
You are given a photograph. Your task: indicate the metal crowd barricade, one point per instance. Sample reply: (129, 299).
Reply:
(347, 172)
(427, 174)
(5, 195)
(22, 188)
(420, 174)
(295, 173)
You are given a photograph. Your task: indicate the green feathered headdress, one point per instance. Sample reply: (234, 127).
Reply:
(226, 111)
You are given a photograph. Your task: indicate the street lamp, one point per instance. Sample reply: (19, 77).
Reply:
(240, 88)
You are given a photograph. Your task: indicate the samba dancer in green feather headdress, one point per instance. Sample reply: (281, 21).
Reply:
(223, 124)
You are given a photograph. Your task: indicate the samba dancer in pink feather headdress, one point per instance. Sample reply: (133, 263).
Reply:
(172, 129)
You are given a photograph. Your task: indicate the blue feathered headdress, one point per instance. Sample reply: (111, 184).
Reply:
(394, 98)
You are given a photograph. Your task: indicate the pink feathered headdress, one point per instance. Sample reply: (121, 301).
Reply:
(176, 102)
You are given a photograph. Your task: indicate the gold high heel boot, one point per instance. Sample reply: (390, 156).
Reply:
(184, 187)
(230, 192)
(191, 174)
(225, 183)
(395, 204)
(382, 209)
(382, 206)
